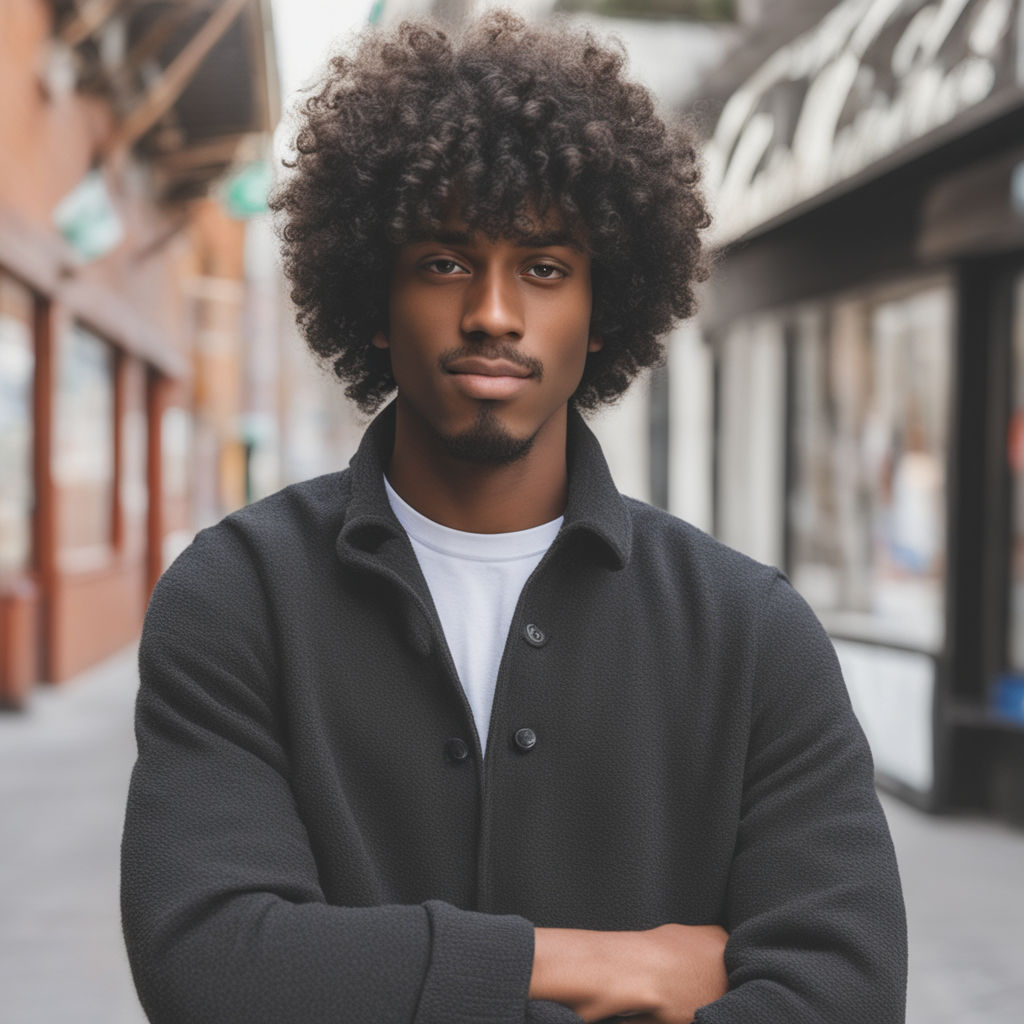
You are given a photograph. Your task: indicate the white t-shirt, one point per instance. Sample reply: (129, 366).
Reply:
(475, 580)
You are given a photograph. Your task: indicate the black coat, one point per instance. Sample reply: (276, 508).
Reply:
(304, 843)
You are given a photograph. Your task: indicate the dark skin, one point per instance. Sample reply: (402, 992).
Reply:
(518, 314)
(488, 341)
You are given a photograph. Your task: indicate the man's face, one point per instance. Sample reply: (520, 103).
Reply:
(488, 339)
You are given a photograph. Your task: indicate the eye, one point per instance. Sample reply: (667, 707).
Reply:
(444, 266)
(545, 272)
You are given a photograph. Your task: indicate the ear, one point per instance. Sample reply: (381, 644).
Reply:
(379, 340)
(595, 344)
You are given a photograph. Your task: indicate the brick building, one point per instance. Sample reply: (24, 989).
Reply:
(123, 300)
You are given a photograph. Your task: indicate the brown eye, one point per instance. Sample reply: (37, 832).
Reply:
(545, 272)
(444, 267)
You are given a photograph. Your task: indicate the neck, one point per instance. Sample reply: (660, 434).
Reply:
(480, 497)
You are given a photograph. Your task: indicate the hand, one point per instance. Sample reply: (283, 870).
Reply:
(685, 965)
(661, 976)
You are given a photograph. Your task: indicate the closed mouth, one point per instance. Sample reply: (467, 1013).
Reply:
(484, 367)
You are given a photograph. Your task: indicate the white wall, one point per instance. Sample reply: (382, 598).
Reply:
(691, 410)
(624, 432)
(751, 485)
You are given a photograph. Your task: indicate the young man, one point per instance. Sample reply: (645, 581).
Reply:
(461, 734)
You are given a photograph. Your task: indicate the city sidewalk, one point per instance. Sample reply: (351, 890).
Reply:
(963, 882)
(64, 768)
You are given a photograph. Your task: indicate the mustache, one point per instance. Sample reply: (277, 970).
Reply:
(502, 350)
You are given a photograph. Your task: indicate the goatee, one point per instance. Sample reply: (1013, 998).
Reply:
(487, 442)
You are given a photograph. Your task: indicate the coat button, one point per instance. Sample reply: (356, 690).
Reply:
(525, 739)
(535, 635)
(456, 750)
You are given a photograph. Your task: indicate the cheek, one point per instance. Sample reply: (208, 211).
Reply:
(417, 333)
(570, 362)
(575, 341)
(420, 311)
(569, 322)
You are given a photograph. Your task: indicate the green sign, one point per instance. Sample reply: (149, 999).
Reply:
(245, 195)
(88, 219)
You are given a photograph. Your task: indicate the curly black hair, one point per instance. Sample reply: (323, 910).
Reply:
(506, 121)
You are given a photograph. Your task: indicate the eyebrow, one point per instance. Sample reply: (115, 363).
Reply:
(540, 240)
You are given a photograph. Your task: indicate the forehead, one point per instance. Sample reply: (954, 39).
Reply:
(461, 236)
(526, 229)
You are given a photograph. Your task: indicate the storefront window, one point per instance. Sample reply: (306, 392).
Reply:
(84, 450)
(1015, 454)
(17, 371)
(867, 508)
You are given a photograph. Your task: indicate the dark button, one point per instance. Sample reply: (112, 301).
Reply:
(525, 739)
(535, 635)
(456, 750)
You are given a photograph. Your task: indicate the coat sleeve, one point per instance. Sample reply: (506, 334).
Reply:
(814, 908)
(224, 918)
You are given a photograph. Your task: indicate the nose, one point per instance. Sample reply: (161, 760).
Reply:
(492, 306)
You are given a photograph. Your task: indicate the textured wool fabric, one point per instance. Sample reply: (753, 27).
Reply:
(301, 845)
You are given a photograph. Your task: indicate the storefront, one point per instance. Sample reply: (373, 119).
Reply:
(85, 380)
(866, 321)
(119, 118)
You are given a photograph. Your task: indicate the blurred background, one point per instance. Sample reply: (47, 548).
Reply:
(848, 405)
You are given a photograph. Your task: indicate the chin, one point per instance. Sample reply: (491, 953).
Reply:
(488, 442)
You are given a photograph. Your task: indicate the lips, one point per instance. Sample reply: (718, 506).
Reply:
(483, 367)
(478, 377)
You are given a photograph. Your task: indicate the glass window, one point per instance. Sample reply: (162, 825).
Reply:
(867, 507)
(83, 466)
(17, 372)
(1015, 454)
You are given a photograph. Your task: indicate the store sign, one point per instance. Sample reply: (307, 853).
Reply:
(88, 219)
(893, 694)
(870, 78)
(245, 195)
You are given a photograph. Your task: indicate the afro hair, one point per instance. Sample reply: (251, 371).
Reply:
(505, 121)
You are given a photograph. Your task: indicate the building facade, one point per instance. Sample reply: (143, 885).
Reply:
(118, 119)
(865, 327)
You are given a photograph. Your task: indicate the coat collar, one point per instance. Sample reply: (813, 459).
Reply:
(595, 508)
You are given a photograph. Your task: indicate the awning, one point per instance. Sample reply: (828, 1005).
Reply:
(194, 81)
(869, 85)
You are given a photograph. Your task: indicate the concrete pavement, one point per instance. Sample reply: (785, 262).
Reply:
(64, 766)
(963, 882)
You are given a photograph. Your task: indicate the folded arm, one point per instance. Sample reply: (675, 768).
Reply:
(224, 917)
(813, 907)
(664, 974)
(814, 904)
